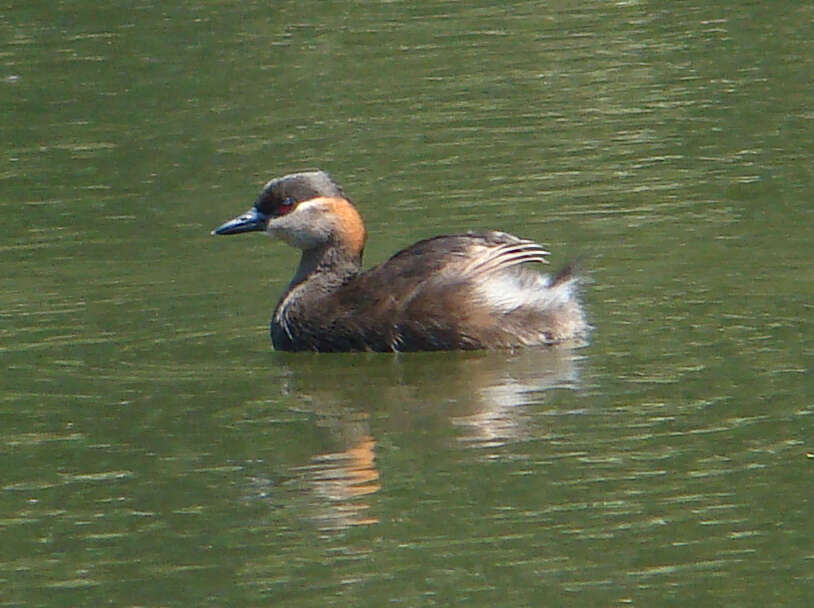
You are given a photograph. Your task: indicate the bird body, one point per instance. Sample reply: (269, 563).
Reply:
(462, 291)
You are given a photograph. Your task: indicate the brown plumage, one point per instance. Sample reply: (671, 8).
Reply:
(464, 291)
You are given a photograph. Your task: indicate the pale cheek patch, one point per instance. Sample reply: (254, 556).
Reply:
(304, 227)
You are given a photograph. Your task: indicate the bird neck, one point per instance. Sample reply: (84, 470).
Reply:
(327, 264)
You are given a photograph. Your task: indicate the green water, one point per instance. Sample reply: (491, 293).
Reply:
(156, 452)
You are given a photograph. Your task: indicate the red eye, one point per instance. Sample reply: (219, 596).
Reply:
(285, 206)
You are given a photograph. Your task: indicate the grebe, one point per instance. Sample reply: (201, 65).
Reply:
(460, 291)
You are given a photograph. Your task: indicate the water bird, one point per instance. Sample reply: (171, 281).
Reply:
(456, 291)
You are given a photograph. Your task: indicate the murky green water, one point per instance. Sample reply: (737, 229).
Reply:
(156, 452)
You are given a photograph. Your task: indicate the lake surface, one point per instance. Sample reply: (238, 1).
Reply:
(156, 451)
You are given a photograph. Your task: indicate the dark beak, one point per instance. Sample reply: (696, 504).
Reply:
(248, 222)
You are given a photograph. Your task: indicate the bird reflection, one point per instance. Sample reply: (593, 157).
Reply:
(479, 395)
(337, 480)
(498, 420)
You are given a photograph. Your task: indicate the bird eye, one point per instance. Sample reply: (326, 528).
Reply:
(286, 205)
